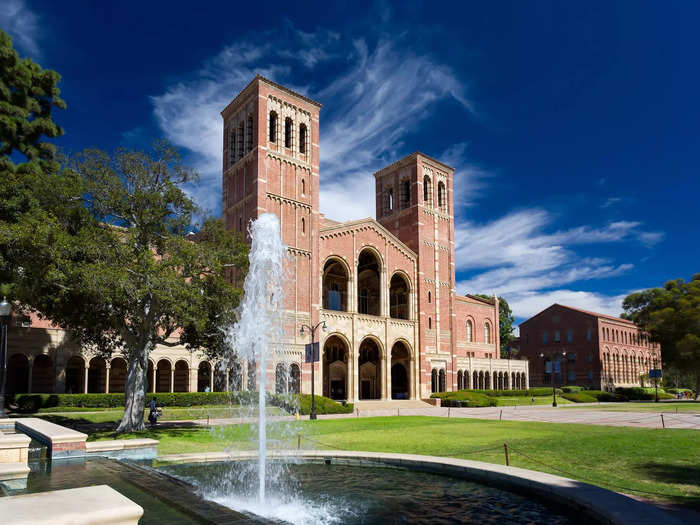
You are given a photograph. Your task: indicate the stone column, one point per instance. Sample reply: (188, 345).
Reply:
(193, 379)
(211, 380)
(356, 374)
(107, 367)
(154, 376)
(172, 379)
(85, 379)
(387, 375)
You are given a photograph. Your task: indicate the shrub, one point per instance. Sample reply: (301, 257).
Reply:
(571, 389)
(33, 402)
(324, 405)
(637, 393)
(465, 398)
(533, 392)
(579, 397)
(604, 397)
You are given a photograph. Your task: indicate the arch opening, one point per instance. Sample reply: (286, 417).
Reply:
(182, 376)
(369, 365)
(400, 371)
(18, 374)
(398, 297)
(294, 386)
(335, 368)
(75, 375)
(335, 285)
(117, 375)
(368, 283)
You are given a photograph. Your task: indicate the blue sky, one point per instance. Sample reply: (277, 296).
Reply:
(573, 127)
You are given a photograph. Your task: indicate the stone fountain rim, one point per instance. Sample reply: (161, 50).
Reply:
(605, 506)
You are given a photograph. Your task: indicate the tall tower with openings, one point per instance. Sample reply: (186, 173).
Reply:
(414, 201)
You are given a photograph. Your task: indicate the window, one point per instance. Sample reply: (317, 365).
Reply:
(545, 338)
(232, 147)
(288, 132)
(303, 187)
(427, 190)
(571, 357)
(590, 357)
(487, 333)
(442, 198)
(303, 226)
(430, 322)
(240, 224)
(571, 375)
(569, 336)
(388, 201)
(557, 336)
(405, 196)
(589, 334)
(590, 376)
(469, 331)
(273, 126)
(241, 138)
(302, 138)
(430, 297)
(250, 134)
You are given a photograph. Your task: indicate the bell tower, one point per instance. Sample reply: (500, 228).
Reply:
(414, 201)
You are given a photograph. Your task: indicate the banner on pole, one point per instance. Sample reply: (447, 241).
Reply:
(309, 355)
(655, 373)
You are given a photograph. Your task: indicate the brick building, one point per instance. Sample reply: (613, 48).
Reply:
(601, 351)
(385, 288)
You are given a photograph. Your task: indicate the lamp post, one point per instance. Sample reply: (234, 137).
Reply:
(312, 329)
(553, 355)
(5, 311)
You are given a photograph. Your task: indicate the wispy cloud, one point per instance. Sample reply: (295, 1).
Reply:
(516, 256)
(528, 304)
(611, 202)
(22, 24)
(378, 94)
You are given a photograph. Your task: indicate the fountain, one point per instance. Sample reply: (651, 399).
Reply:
(259, 316)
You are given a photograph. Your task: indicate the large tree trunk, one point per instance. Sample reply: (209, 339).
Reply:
(135, 392)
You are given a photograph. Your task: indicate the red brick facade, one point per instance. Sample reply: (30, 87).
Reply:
(385, 287)
(601, 351)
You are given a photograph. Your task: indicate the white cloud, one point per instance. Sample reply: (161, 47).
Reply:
(528, 304)
(523, 261)
(21, 23)
(610, 202)
(378, 95)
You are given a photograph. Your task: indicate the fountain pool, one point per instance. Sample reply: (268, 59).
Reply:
(326, 494)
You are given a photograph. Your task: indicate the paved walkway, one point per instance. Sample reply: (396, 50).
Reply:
(521, 413)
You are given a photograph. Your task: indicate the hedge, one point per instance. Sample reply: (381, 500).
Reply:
(637, 393)
(532, 392)
(571, 389)
(324, 405)
(465, 398)
(579, 397)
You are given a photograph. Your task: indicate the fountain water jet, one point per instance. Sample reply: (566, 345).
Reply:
(259, 323)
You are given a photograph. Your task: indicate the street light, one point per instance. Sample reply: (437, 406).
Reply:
(554, 390)
(313, 329)
(5, 311)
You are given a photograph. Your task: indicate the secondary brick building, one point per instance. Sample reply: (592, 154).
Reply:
(385, 288)
(601, 351)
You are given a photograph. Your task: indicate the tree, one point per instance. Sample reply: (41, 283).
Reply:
(505, 323)
(671, 316)
(141, 278)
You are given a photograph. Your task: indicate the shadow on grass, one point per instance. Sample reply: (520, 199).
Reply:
(688, 475)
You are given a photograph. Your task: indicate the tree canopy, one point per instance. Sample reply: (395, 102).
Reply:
(671, 316)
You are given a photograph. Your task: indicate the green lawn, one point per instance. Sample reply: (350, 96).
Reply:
(652, 463)
(666, 407)
(530, 401)
(95, 415)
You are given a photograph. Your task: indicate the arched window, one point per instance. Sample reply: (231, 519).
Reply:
(303, 187)
(469, 330)
(487, 333)
(442, 200)
(232, 146)
(430, 322)
(427, 190)
(405, 194)
(302, 138)
(389, 201)
(303, 226)
(430, 297)
(273, 126)
(241, 138)
(288, 132)
(250, 134)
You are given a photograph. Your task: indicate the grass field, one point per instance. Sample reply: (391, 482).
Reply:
(504, 401)
(96, 415)
(663, 465)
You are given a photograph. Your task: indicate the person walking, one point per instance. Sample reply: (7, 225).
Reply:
(153, 412)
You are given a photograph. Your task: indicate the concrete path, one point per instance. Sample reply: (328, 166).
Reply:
(521, 413)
